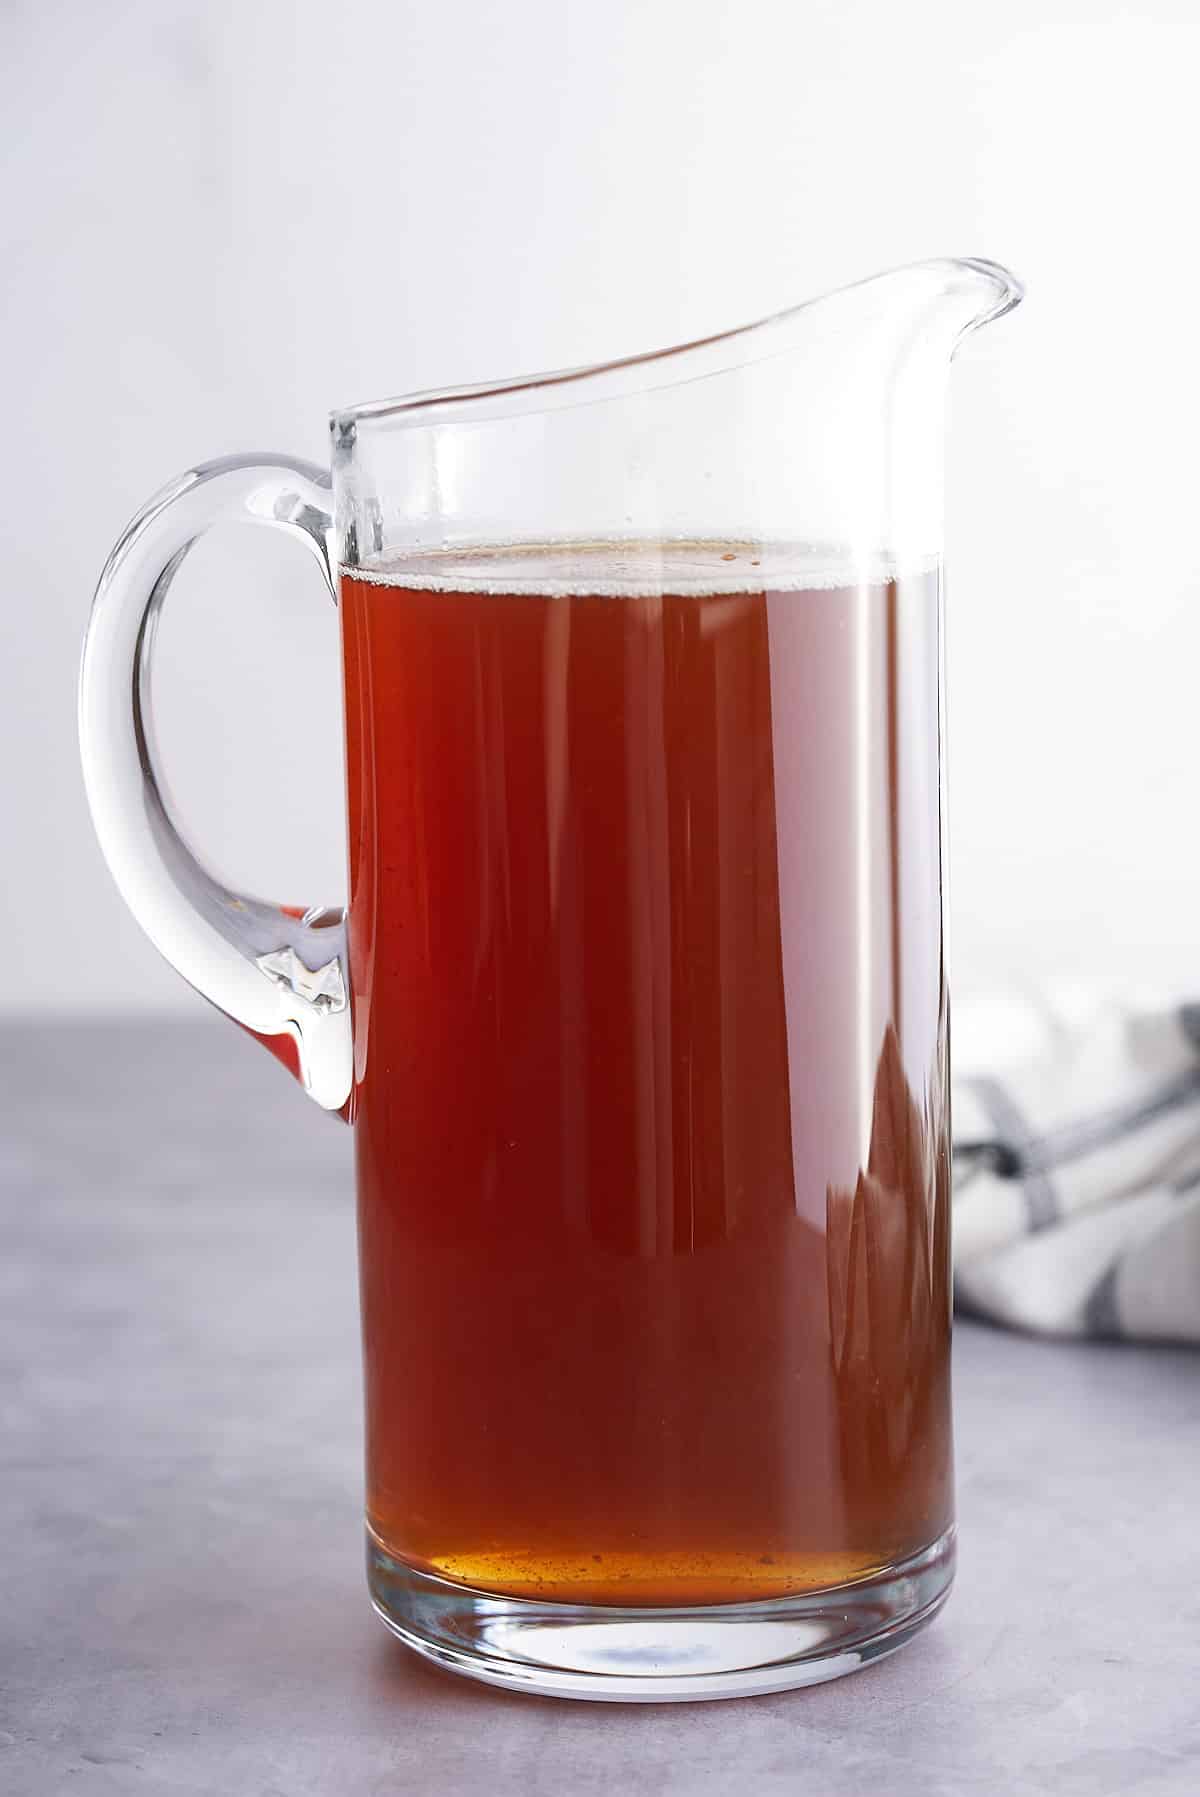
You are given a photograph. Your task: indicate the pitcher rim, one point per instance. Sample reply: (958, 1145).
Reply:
(1008, 291)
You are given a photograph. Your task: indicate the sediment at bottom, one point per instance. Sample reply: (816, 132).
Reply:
(643, 1655)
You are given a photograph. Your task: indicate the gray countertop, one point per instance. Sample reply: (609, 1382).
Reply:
(183, 1601)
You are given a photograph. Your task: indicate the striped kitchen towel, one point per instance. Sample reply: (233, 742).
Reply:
(1077, 1165)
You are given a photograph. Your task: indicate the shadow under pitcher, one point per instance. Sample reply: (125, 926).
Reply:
(638, 1008)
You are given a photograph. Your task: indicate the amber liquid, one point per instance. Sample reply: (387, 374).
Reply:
(650, 1089)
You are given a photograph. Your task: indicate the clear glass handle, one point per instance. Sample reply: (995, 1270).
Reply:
(279, 972)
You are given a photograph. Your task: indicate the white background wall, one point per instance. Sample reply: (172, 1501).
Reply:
(218, 220)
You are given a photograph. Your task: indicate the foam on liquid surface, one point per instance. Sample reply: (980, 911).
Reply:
(631, 569)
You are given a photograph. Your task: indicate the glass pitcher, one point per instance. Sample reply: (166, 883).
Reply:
(638, 1007)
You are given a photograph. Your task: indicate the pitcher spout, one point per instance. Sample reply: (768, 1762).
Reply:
(999, 289)
(965, 293)
(929, 305)
(939, 301)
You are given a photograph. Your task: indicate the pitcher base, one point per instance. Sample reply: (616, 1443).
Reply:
(660, 1655)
